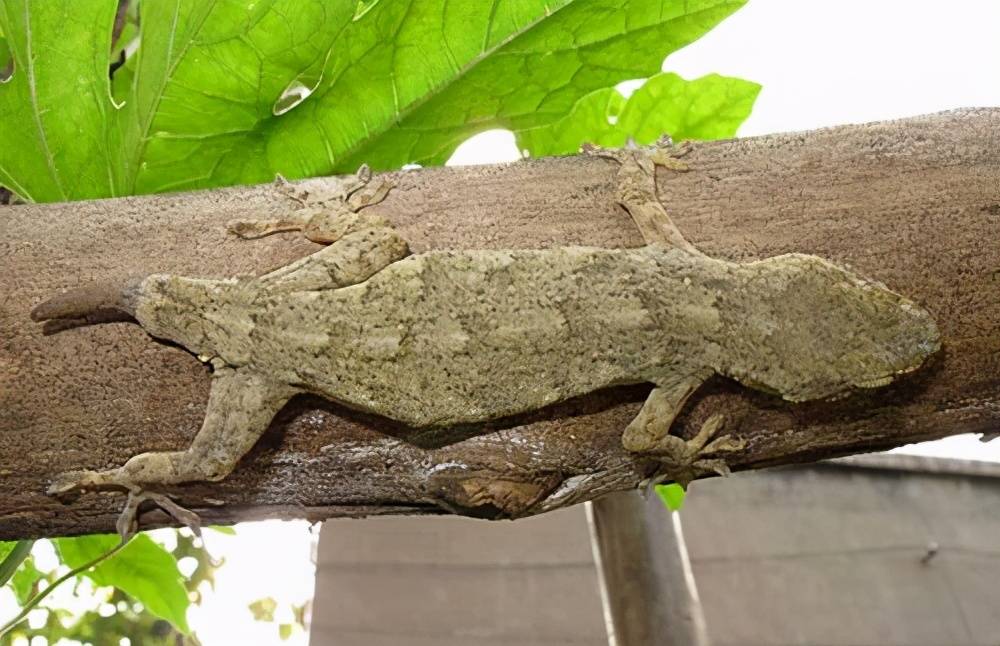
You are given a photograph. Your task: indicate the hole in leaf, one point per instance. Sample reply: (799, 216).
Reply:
(626, 88)
(293, 95)
(364, 6)
(6, 61)
(123, 54)
(124, 36)
(121, 19)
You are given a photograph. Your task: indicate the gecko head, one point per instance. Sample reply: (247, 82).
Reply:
(813, 330)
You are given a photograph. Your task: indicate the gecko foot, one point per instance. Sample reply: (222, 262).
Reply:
(328, 208)
(668, 155)
(128, 523)
(662, 152)
(684, 460)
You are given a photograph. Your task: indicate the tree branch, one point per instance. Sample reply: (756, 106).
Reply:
(913, 203)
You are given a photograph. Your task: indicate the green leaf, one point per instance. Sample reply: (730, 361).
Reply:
(222, 529)
(226, 93)
(12, 554)
(142, 569)
(590, 121)
(672, 495)
(263, 609)
(58, 140)
(6, 547)
(23, 581)
(711, 107)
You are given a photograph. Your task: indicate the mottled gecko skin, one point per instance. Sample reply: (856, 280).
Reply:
(457, 337)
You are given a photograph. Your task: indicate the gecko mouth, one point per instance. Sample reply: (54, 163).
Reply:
(877, 382)
(926, 351)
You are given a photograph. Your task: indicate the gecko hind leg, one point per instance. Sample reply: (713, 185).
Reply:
(351, 260)
(327, 213)
(240, 407)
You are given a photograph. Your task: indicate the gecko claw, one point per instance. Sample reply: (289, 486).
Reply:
(69, 480)
(252, 229)
(128, 521)
(685, 460)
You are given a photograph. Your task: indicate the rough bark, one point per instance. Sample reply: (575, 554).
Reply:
(913, 203)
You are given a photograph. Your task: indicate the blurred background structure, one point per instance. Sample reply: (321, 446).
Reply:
(885, 549)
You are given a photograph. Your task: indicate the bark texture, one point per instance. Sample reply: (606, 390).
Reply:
(913, 203)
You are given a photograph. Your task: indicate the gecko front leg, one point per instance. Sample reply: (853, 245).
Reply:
(636, 188)
(362, 244)
(681, 460)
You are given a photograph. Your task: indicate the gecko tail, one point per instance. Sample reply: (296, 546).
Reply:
(83, 302)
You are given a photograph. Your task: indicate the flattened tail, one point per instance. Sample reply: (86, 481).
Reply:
(83, 302)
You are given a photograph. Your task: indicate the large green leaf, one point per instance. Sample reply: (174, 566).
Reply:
(711, 107)
(24, 580)
(56, 108)
(405, 82)
(224, 92)
(142, 569)
(6, 547)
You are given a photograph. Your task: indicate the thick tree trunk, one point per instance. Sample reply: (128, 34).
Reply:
(913, 203)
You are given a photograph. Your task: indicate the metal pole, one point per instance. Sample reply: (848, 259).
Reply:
(647, 586)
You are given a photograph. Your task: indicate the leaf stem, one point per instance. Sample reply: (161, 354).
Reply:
(14, 559)
(35, 600)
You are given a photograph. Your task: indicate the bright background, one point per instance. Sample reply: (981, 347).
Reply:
(821, 64)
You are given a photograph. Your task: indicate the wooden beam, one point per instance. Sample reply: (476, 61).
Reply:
(914, 203)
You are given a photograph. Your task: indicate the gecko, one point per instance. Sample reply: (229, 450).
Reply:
(450, 337)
